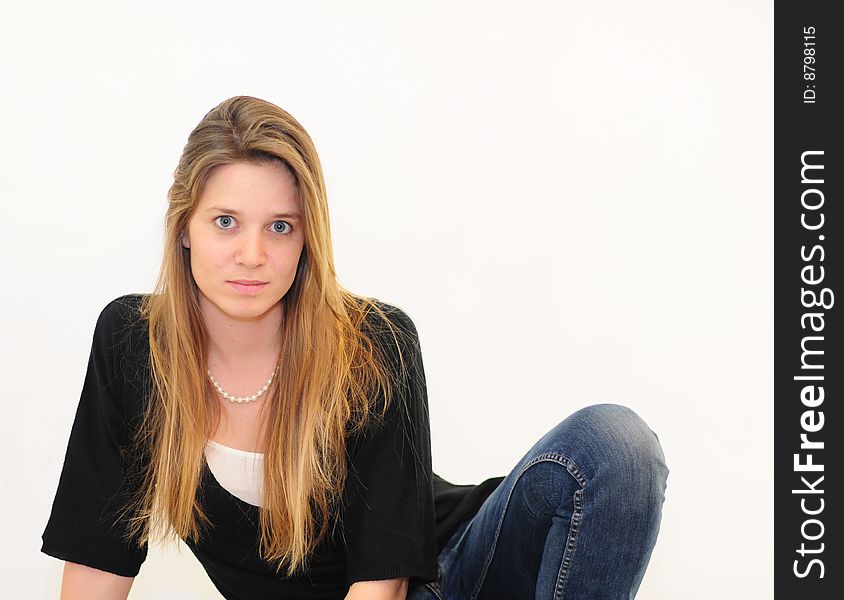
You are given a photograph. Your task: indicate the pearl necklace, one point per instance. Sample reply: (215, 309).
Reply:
(242, 399)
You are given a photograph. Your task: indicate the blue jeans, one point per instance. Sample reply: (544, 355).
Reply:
(576, 519)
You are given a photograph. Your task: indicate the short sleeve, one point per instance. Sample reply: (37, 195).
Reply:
(389, 521)
(81, 527)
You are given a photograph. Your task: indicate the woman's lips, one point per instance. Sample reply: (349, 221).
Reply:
(248, 289)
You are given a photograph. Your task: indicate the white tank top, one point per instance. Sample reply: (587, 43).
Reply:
(240, 472)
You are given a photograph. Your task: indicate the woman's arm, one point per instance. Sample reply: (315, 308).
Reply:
(82, 582)
(384, 589)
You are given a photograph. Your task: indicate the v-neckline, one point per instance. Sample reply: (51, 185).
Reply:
(239, 501)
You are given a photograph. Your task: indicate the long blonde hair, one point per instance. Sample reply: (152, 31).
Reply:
(330, 369)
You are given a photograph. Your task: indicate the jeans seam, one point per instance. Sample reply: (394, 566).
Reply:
(434, 586)
(571, 543)
(574, 527)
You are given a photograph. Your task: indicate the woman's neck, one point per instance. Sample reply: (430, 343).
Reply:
(236, 342)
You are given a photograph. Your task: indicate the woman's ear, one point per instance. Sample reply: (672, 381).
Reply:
(185, 241)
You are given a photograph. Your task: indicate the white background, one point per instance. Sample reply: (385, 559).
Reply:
(572, 200)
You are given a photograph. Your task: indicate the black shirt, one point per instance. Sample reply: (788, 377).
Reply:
(397, 513)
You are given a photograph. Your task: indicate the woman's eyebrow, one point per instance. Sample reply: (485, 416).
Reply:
(231, 211)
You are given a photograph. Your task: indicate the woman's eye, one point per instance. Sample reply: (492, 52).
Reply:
(285, 229)
(224, 221)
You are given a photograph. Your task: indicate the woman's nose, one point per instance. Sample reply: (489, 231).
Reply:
(251, 252)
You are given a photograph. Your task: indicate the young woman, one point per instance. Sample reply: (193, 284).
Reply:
(278, 423)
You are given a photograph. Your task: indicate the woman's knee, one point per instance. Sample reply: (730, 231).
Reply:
(612, 437)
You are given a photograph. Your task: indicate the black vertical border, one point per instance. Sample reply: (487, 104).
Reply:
(801, 254)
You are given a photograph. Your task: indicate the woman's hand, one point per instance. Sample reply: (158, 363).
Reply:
(82, 582)
(383, 589)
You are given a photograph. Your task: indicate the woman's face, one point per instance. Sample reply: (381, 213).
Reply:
(247, 226)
